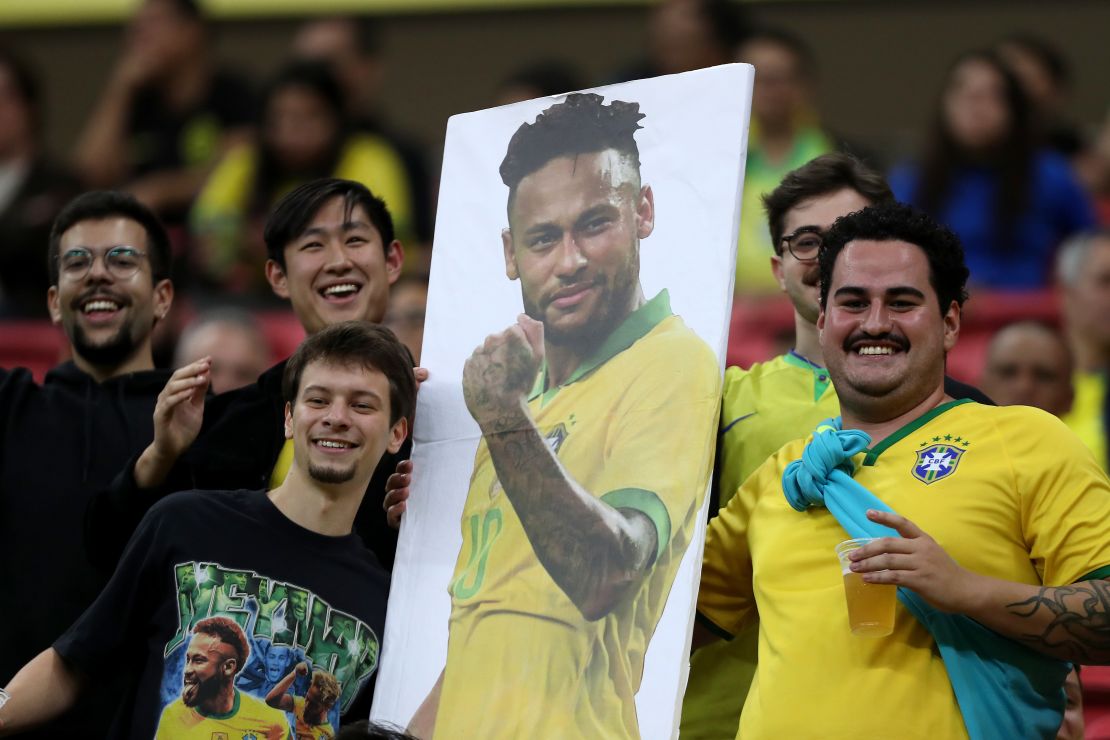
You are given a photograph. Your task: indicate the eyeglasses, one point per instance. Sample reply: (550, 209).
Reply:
(122, 262)
(804, 243)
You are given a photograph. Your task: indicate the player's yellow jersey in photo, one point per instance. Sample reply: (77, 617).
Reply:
(249, 717)
(1008, 492)
(634, 426)
(305, 731)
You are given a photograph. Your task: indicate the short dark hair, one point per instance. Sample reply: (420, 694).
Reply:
(293, 213)
(98, 205)
(226, 630)
(899, 222)
(578, 125)
(357, 343)
(822, 175)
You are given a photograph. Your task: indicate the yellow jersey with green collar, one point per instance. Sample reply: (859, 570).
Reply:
(1008, 492)
(634, 426)
(305, 731)
(249, 717)
(762, 408)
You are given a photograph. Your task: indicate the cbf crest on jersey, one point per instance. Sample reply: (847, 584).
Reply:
(937, 461)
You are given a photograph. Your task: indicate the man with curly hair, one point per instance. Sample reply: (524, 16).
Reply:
(992, 520)
(311, 710)
(597, 410)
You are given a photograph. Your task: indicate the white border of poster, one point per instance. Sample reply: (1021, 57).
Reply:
(692, 148)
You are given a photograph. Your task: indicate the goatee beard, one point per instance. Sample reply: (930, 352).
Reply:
(111, 353)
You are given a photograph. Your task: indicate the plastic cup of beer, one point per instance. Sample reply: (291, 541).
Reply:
(870, 605)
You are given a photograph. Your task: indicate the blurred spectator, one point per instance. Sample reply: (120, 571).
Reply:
(1029, 363)
(539, 80)
(1083, 272)
(684, 35)
(784, 135)
(32, 192)
(367, 730)
(166, 113)
(304, 134)
(353, 48)
(1010, 202)
(234, 342)
(408, 299)
(1044, 76)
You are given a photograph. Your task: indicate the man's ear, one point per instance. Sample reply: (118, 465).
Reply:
(645, 212)
(821, 320)
(394, 260)
(397, 434)
(510, 257)
(230, 667)
(288, 420)
(53, 304)
(951, 326)
(275, 276)
(163, 299)
(776, 270)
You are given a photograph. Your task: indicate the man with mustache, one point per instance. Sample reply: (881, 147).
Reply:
(109, 259)
(774, 402)
(597, 411)
(992, 520)
(209, 702)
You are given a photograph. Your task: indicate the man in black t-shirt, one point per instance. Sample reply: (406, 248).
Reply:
(349, 392)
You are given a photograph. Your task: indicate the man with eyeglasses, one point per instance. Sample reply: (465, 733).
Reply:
(774, 402)
(108, 258)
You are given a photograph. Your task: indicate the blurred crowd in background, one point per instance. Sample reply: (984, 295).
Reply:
(211, 149)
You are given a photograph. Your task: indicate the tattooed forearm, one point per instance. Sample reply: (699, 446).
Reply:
(1069, 622)
(595, 553)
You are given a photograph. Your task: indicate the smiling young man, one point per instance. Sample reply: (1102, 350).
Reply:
(333, 256)
(596, 410)
(349, 390)
(1001, 516)
(108, 259)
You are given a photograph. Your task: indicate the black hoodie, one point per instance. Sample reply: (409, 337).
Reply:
(62, 441)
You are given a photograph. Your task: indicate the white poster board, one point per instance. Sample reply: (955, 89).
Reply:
(692, 142)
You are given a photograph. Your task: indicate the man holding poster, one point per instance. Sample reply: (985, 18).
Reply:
(597, 411)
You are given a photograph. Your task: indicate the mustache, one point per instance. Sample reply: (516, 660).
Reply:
(856, 337)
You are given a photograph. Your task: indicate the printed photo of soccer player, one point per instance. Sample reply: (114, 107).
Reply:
(217, 650)
(595, 409)
(311, 710)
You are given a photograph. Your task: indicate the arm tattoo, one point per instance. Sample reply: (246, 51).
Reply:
(595, 553)
(1073, 621)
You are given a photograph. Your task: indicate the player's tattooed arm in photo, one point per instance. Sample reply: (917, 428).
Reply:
(594, 552)
(1070, 622)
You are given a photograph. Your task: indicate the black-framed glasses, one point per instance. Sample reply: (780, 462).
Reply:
(122, 262)
(804, 243)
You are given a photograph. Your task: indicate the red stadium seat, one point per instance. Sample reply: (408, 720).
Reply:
(35, 345)
(283, 332)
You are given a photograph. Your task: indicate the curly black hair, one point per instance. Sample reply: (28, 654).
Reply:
(893, 221)
(578, 125)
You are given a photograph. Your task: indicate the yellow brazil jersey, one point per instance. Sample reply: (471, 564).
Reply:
(762, 408)
(1086, 415)
(305, 731)
(633, 425)
(1008, 492)
(249, 717)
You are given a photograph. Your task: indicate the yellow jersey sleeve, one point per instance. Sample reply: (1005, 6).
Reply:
(1065, 499)
(726, 596)
(659, 447)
